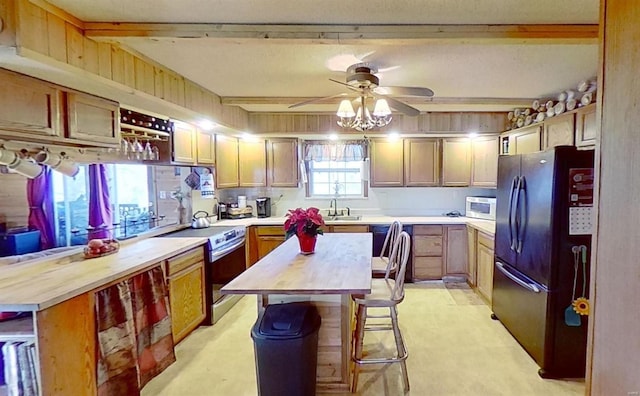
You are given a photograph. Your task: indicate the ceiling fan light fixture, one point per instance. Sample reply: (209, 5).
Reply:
(345, 110)
(363, 120)
(381, 109)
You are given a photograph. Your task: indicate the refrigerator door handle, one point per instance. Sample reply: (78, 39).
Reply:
(526, 285)
(512, 240)
(519, 221)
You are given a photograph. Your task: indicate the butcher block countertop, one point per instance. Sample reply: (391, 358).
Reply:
(40, 284)
(341, 264)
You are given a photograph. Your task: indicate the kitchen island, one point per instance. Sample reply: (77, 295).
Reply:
(60, 295)
(340, 266)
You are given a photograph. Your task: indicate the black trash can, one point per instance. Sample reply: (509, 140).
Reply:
(285, 340)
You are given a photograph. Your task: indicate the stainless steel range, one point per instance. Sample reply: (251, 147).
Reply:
(225, 260)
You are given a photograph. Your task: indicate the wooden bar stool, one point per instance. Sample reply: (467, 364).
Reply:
(380, 265)
(385, 293)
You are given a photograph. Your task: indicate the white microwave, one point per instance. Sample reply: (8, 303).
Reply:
(481, 208)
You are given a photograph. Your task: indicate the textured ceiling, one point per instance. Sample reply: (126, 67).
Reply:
(292, 68)
(336, 11)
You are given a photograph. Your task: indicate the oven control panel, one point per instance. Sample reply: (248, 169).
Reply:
(221, 239)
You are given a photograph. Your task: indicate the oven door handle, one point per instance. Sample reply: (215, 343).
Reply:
(218, 254)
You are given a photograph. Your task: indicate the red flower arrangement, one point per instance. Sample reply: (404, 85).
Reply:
(301, 221)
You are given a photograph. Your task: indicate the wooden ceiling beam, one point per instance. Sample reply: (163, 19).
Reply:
(353, 34)
(262, 100)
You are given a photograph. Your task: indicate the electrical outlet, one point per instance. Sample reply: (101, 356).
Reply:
(163, 195)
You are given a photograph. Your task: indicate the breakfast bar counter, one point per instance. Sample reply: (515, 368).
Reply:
(340, 266)
(43, 283)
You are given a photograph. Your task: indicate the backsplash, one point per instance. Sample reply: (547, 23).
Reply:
(408, 201)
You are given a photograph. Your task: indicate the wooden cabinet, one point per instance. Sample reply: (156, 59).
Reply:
(586, 127)
(226, 162)
(456, 162)
(559, 131)
(349, 228)
(472, 236)
(387, 164)
(252, 166)
(269, 238)
(484, 252)
(93, 119)
(421, 162)
(29, 106)
(67, 346)
(282, 162)
(185, 276)
(484, 161)
(427, 251)
(183, 141)
(456, 261)
(521, 141)
(205, 147)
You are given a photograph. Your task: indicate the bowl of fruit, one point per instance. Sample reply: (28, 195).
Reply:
(100, 247)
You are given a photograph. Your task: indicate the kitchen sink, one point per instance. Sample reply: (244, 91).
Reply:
(344, 218)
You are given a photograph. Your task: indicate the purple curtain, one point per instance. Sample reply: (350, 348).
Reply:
(100, 216)
(40, 198)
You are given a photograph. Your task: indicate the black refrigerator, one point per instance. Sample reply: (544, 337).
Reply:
(543, 217)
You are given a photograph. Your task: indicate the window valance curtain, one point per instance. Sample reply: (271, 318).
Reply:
(346, 150)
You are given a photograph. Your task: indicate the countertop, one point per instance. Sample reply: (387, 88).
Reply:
(39, 284)
(486, 226)
(341, 264)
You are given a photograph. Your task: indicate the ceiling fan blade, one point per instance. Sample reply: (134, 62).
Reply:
(315, 100)
(400, 106)
(354, 89)
(404, 91)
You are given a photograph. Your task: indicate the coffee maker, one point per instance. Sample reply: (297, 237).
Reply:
(263, 207)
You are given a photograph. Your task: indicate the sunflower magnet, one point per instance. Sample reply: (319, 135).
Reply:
(581, 306)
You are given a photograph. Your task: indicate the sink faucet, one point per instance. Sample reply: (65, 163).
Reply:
(333, 204)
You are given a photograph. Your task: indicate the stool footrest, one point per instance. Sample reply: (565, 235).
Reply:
(382, 360)
(386, 328)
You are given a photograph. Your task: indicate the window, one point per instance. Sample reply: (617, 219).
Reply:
(131, 195)
(331, 178)
(335, 168)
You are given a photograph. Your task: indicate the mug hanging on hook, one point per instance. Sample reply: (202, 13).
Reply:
(57, 162)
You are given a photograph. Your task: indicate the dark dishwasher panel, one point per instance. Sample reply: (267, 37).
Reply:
(379, 233)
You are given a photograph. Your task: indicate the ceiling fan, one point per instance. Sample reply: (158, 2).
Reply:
(363, 84)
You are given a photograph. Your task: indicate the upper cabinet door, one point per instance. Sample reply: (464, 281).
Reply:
(283, 162)
(484, 161)
(422, 162)
(93, 119)
(252, 169)
(226, 161)
(29, 105)
(387, 168)
(525, 140)
(456, 162)
(183, 140)
(586, 127)
(205, 147)
(559, 131)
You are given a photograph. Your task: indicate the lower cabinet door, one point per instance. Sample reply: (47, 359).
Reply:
(485, 271)
(186, 296)
(425, 268)
(267, 243)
